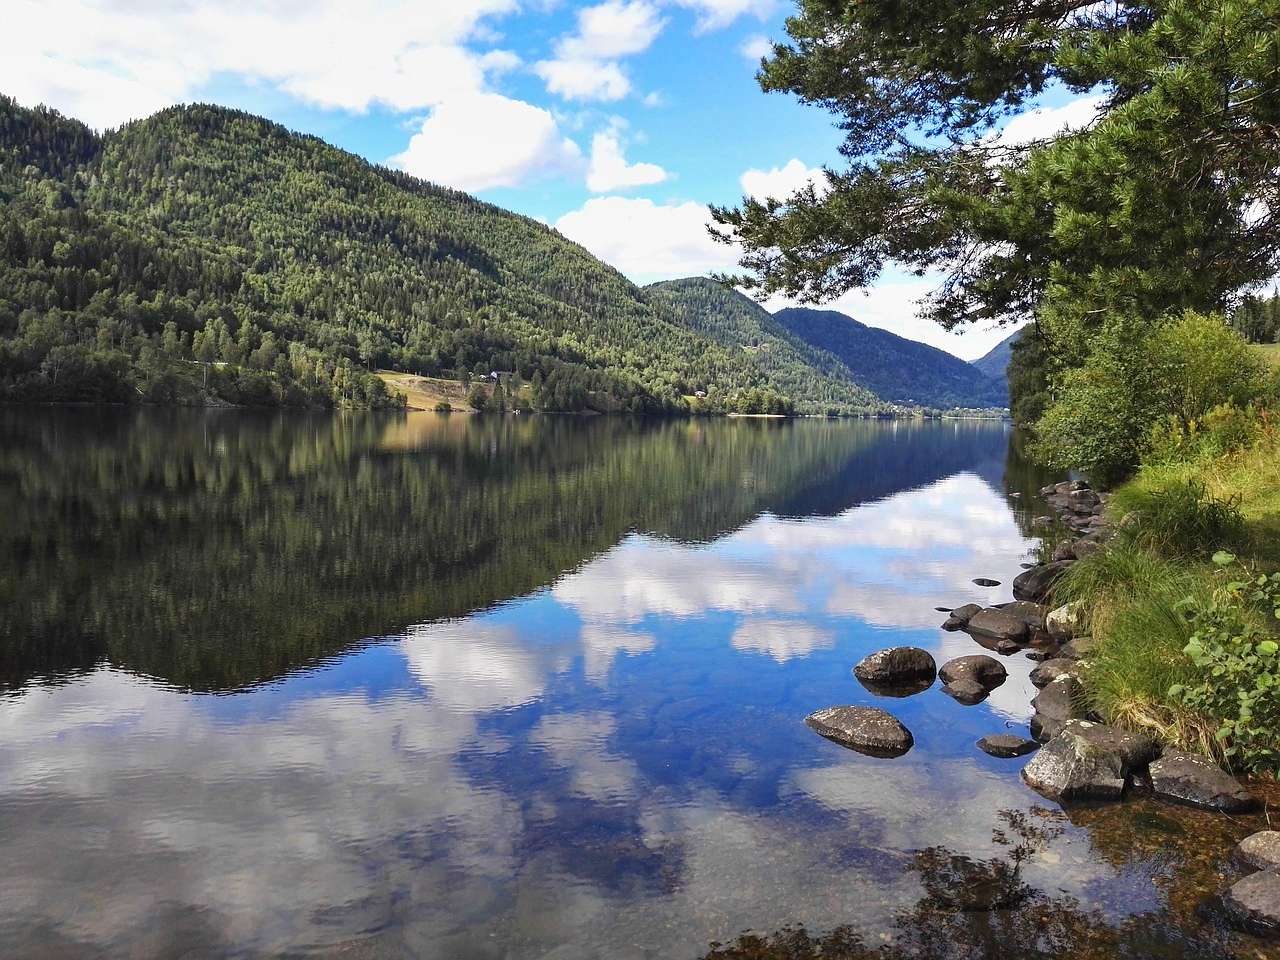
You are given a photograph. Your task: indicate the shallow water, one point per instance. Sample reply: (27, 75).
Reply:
(461, 687)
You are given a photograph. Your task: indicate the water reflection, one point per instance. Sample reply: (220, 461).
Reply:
(449, 687)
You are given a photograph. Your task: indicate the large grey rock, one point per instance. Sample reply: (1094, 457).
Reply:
(1082, 500)
(960, 616)
(1064, 551)
(1007, 745)
(1261, 850)
(1253, 903)
(897, 665)
(1065, 622)
(986, 671)
(868, 730)
(968, 692)
(1084, 547)
(998, 625)
(1051, 670)
(1035, 584)
(1060, 699)
(1032, 614)
(1088, 761)
(1196, 780)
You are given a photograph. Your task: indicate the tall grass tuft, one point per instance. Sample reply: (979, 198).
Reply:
(1181, 518)
(1133, 596)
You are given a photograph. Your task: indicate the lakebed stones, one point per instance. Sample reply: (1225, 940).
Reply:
(1007, 745)
(896, 666)
(1035, 584)
(868, 730)
(1254, 903)
(1199, 782)
(1051, 670)
(1261, 850)
(1088, 761)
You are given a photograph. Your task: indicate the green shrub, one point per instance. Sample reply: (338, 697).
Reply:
(443, 406)
(1223, 429)
(1239, 668)
(1180, 518)
(1135, 376)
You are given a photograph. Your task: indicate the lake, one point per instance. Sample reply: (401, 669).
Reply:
(480, 687)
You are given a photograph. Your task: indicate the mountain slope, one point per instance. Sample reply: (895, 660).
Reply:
(894, 368)
(819, 381)
(995, 363)
(291, 269)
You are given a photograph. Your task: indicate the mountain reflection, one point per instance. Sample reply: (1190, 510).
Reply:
(454, 687)
(215, 550)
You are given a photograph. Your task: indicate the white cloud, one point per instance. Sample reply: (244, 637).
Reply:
(781, 182)
(648, 241)
(1043, 123)
(714, 14)
(113, 61)
(609, 169)
(585, 66)
(755, 47)
(781, 639)
(612, 29)
(584, 79)
(486, 140)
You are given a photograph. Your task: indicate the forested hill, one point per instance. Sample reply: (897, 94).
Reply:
(995, 362)
(739, 324)
(207, 254)
(894, 368)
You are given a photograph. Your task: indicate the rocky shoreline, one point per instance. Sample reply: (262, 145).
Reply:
(1076, 758)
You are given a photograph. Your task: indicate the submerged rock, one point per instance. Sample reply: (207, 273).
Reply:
(1032, 614)
(897, 666)
(1035, 584)
(986, 671)
(868, 730)
(1007, 745)
(1253, 903)
(1088, 761)
(1261, 850)
(996, 623)
(986, 582)
(968, 692)
(1196, 780)
(898, 691)
(1051, 670)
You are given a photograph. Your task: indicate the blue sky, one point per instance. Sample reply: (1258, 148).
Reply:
(615, 121)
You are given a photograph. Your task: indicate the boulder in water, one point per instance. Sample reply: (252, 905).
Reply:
(868, 730)
(1199, 782)
(897, 665)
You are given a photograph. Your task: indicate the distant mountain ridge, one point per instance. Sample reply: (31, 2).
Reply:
(894, 368)
(995, 363)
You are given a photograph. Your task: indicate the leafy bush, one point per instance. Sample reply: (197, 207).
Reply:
(1102, 417)
(1180, 518)
(1223, 429)
(1239, 664)
(443, 406)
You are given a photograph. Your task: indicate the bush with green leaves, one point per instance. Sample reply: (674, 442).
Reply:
(1135, 377)
(1222, 430)
(1239, 663)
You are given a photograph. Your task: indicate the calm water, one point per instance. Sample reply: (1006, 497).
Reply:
(458, 687)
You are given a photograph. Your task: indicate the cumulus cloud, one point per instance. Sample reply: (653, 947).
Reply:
(486, 140)
(113, 61)
(714, 14)
(781, 182)
(781, 639)
(646, 240)
(609, 169)
(1043, 123)
(585, 65)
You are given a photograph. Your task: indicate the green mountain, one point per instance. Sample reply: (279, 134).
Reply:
(205, 254)
(995, 363)
(820, 381)
(894, 368)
